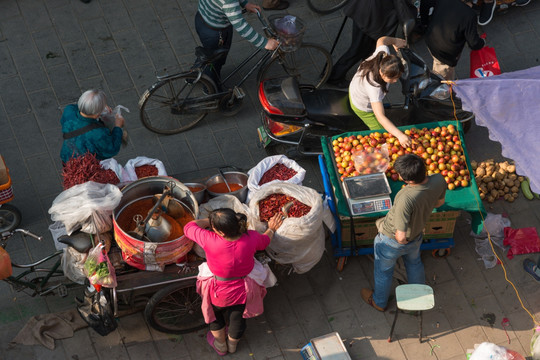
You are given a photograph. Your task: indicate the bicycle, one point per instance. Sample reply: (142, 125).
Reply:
(169, 299)
(325, 7)
(177, 102)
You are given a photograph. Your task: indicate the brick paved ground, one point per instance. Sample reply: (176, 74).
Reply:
(51, 51)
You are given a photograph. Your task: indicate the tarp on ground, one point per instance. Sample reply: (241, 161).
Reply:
(508, 105)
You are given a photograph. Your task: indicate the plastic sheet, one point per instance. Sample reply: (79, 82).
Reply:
(507, 105)
(521, 241)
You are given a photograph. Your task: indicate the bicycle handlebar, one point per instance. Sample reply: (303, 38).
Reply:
(28, 233)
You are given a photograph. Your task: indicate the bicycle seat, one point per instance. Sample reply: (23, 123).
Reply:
(78, 240)
(207, 56)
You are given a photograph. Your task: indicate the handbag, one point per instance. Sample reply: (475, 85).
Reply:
(484, 62)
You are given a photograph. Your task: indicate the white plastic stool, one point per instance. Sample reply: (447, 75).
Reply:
(413, 297)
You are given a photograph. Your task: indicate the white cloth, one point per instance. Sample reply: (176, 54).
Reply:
(362, 93)
(260, 273)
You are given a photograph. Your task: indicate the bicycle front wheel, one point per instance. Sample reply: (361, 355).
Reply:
(311, 65)
(175, 105)
(324, 7)
(176, 309)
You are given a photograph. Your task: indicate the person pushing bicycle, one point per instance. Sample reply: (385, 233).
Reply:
(214, 23)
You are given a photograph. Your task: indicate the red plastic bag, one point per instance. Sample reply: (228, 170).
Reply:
(484, 62)
(521, 241)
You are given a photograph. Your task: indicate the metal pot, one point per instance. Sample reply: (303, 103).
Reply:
(199, 195)
(232, 177)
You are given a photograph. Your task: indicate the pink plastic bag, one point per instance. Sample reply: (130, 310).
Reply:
(521, 241)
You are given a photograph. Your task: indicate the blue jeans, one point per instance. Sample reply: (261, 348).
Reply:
(387, 251)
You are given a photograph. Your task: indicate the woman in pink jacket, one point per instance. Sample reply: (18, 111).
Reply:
(230, 250)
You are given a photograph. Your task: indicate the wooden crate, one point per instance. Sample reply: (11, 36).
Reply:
(439, 226)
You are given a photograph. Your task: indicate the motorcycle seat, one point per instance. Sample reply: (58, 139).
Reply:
(329, 106)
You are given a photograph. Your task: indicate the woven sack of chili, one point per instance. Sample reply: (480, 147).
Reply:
(272, 169)
(223, 201)
(140, 161)
(300, 240)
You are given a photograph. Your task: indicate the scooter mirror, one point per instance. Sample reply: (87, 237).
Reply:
(408, 27)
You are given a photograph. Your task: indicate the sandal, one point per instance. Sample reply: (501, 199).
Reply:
(210, 339)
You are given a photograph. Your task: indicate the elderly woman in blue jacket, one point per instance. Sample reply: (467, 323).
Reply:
(84, 132)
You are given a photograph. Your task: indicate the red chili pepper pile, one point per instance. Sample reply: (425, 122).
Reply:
(272, 204)
(85, 168)
(277, 172)
(146, 170)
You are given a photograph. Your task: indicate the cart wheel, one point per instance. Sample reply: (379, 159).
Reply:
(440, 253)
(341, 263)
(175, 309)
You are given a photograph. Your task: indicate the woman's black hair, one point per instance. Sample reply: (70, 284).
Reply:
(411, 167)
(230, 223)
(389, 65)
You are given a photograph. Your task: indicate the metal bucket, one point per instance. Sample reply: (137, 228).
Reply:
(148, 255)
(232, 177)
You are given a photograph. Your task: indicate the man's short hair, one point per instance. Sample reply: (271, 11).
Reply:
(411, 167)
(92, 102)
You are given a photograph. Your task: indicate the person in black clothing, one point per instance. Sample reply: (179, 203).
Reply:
(452, 24)
(372, 19)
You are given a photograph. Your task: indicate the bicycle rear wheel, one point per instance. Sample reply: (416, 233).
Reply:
(324, 7)
(173, 105)
(311, 65)
(176, 309)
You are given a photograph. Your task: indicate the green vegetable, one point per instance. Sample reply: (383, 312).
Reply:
(526, 189)
(102, 270)
(90, 265)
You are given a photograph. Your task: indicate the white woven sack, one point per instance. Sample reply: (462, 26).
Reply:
(257, 172)
(299, 241)
(130, 166)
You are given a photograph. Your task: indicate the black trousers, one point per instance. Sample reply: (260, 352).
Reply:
(237, 324)
(362, 46)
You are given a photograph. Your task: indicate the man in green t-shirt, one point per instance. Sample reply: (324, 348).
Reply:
(400, 233)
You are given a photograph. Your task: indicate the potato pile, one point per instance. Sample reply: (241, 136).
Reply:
(497, 180)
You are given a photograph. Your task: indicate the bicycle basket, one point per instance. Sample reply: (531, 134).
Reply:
(6, 191)
(290, 30)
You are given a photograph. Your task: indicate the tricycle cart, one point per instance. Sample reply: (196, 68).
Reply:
(354, 234)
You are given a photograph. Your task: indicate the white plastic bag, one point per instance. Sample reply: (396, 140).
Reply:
(223, 201)
(83, 204)
(109, 117)
(489, 351)
(257, 172)
(299, 241)
(73, 265)
(131, 175)
(494, 224)
(483, 248)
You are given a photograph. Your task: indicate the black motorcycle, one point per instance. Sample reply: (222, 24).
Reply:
(295, 116)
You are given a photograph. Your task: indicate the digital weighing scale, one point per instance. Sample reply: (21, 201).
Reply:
(367, 193)
(327, 347)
